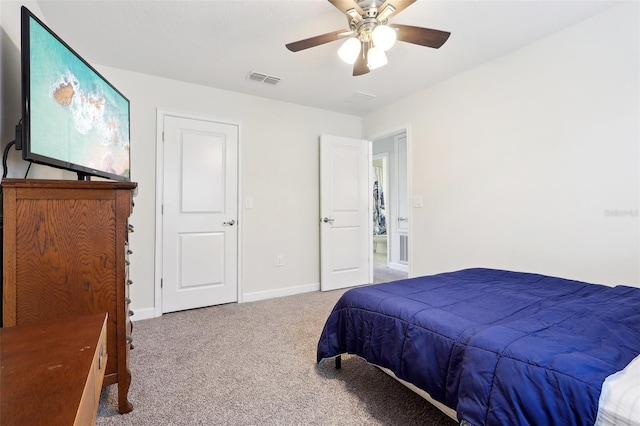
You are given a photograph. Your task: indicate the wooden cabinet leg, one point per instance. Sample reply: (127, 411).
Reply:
(124, 406)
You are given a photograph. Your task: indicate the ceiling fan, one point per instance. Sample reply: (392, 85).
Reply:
(369, 34)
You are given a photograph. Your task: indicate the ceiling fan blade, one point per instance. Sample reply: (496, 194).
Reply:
(422, 36)
(344, 5)
(297, 46)
(398, 5)
(360, 66)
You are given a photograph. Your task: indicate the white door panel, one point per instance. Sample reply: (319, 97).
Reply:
(345, 242)
(397, 194)
(200, 257)
(403, 196)
(202, 161)
(345, 226)
(200, 193)
(400, 253)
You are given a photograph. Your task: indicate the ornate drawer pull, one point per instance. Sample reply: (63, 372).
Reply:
(129, 282)
(127, 300)
(129, 340)
(131, 313)
(129, 252)
(126, 262)
(130, 228)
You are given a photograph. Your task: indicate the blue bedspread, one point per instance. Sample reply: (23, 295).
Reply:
(499, 347)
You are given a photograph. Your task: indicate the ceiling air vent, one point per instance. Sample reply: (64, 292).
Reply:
(359, 98)
(263, 78)
(271, 80)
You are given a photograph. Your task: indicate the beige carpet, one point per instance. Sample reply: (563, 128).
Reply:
(255, 364)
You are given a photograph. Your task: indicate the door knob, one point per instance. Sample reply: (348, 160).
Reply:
(230, 223)
(327, 220)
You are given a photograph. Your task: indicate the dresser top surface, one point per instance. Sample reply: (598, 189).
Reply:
(44, 367)
(67, 184)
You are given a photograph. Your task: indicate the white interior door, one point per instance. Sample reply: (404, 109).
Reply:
(403, 196)
(400, 251)
(345, 212)
(200, 213)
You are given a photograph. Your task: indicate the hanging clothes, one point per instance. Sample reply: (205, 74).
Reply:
(379, 219)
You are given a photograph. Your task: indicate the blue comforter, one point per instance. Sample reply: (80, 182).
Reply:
(499, 347)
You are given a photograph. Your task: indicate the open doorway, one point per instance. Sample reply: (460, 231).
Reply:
(380, 193)
(390, 208)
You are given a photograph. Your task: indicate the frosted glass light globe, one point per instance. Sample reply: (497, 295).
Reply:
(383, 37)
(350, 50)
(376, 58)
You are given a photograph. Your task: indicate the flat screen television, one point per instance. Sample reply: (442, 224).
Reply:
(72, 117)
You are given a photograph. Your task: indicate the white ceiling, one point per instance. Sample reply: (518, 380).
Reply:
(218, 43)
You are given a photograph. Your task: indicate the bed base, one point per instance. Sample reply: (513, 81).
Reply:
(440, 406)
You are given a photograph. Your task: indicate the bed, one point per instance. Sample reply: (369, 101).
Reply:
(497, 347)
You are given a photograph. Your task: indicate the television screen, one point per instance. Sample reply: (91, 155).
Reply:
(73, 118)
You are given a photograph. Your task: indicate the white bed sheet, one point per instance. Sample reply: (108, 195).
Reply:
(619, 403)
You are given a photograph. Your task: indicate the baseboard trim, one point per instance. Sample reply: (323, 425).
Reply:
(142, 314)
(399, 267)
(148, 313)
(288, 291)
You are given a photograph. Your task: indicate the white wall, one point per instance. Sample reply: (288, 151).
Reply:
(10, 89)
(280, 171)
(10, 68)
(522, 160)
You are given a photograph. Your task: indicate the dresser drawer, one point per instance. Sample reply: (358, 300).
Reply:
(91, 396)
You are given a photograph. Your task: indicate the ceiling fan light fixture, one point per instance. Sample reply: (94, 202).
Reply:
(383, 37)
(369, 36)
(376, 58)
(350, 50)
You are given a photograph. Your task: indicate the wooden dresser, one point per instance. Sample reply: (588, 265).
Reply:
(66, 254)
(52, 371)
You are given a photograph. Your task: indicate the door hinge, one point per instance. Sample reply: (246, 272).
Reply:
(161, 208)
(163, 136)
(161, 283)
